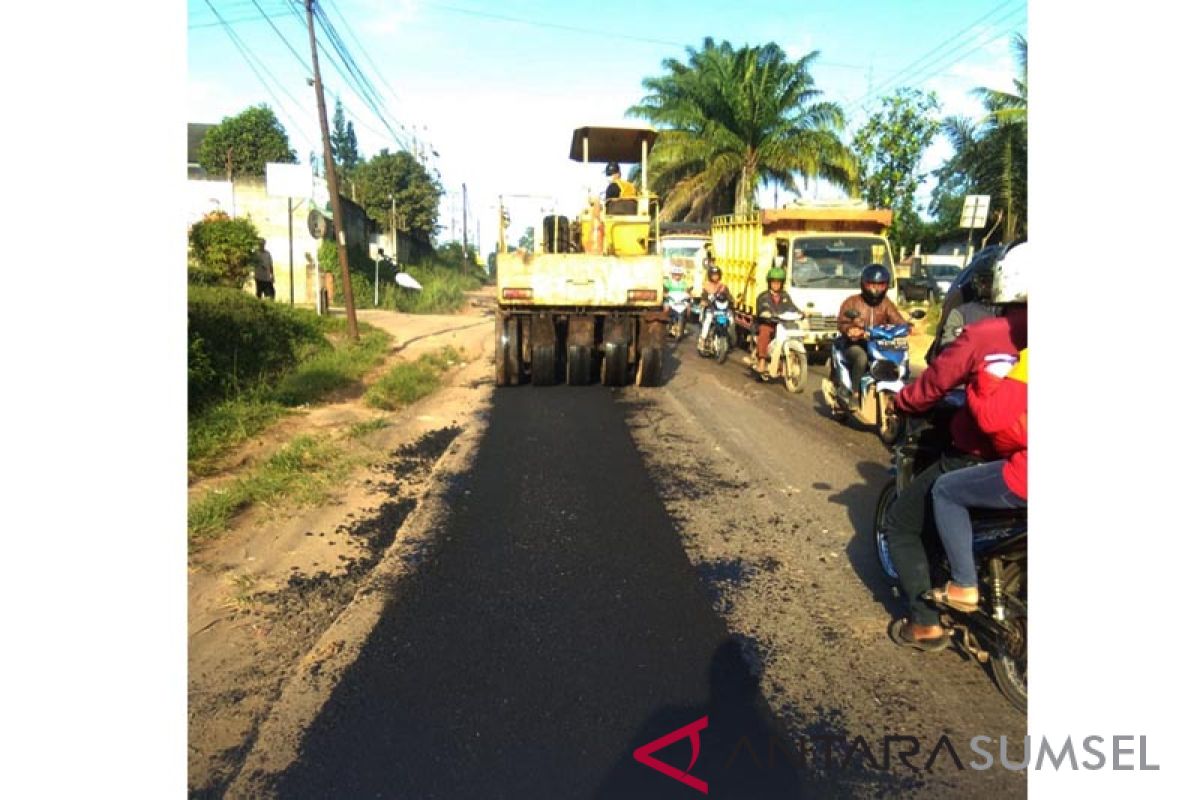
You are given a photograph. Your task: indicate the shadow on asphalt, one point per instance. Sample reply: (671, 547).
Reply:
(860, 500)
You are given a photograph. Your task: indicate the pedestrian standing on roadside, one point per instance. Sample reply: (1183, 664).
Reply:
(264, 273)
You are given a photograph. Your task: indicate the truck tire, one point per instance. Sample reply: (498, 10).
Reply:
(615, 364)
(543, 351)
(508, 363)
(649, 371)
(579, 365)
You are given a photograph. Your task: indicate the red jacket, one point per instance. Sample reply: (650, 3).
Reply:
(1001, 407)
(957, 365)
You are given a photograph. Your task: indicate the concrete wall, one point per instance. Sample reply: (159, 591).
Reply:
(248, 198)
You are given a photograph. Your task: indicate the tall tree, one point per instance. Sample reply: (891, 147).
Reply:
(416, 193)
(889, 146)
(734, 119)
(244, 144)
(343, 141)
(991, 157)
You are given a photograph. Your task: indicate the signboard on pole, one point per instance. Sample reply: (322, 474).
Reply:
(975, 209)
(289, 180)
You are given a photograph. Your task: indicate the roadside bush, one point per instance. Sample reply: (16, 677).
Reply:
(237, 343)
(222, 251)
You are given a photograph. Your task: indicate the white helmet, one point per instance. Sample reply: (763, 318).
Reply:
(1010, 277)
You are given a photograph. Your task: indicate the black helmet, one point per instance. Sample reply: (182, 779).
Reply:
(874, 273)
(714, 270)
(612, 169)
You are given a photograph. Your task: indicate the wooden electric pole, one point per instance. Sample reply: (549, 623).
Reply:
(335, 200)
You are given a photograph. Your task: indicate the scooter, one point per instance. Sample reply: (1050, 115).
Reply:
(786, 357)
(678, 304)
(717, 342)
(996, 633)
(887, 372)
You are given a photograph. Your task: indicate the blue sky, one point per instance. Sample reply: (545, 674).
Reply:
(495, 90)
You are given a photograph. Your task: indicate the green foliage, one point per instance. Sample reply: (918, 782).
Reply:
(331, 370)
(889, 148)
(237, 343)
(416, 193)
(251, 140)
(443, 281)
(406, 383)
(343, 141)
(732, 120)
(526, 240)
(304, 472)
(217, 429)
(990, 158)
(221, 251)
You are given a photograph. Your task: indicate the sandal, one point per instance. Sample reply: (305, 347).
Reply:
(900, 632)
(941, 597)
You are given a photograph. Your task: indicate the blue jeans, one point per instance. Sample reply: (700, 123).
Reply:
(953, 493)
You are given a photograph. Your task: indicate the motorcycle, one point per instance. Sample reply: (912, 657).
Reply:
(887, 371)
(996, 633)
(786, 357)
(717, 341)
(678, 304)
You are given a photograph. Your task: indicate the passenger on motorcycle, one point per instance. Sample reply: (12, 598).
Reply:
(979, 345)
(874, 307)
(964, 306)
(770, 304)
(998, 398)
(713, 285)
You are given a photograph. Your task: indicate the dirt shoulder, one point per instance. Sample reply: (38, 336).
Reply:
(261, 595)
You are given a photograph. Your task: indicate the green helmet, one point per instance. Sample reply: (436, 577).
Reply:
(776, 274)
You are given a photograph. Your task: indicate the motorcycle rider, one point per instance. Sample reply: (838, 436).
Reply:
(769, 305)
(712, 286)
(675, 283)
(979, 345)
(874, 307)
(971, 303)
(998, 398)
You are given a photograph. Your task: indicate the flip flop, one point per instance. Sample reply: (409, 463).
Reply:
(900, 632)
(941, 596)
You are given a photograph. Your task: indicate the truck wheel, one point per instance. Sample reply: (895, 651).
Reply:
(649, 371)
(542, 366)
(615, 364)
(579, 365)
(508, 363)
(498, 356)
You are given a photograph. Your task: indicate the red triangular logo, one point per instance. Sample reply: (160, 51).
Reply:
(692, 731)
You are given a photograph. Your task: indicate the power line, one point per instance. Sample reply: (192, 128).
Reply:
(249, 57)
(936, 53)
(283, 38)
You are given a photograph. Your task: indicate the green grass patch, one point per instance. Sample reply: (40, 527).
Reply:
(216, 430)
(302, 473)
(407, 383)
(329, 371)
(360, 429)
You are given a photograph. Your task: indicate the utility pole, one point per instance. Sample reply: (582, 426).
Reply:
(331, 178)
(464, 242)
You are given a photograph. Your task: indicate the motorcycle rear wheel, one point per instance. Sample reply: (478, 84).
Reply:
(1009, 659)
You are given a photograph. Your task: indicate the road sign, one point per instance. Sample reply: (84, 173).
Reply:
(975, 209)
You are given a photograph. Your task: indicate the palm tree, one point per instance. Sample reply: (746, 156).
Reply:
(732, 120)
(993, 156)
